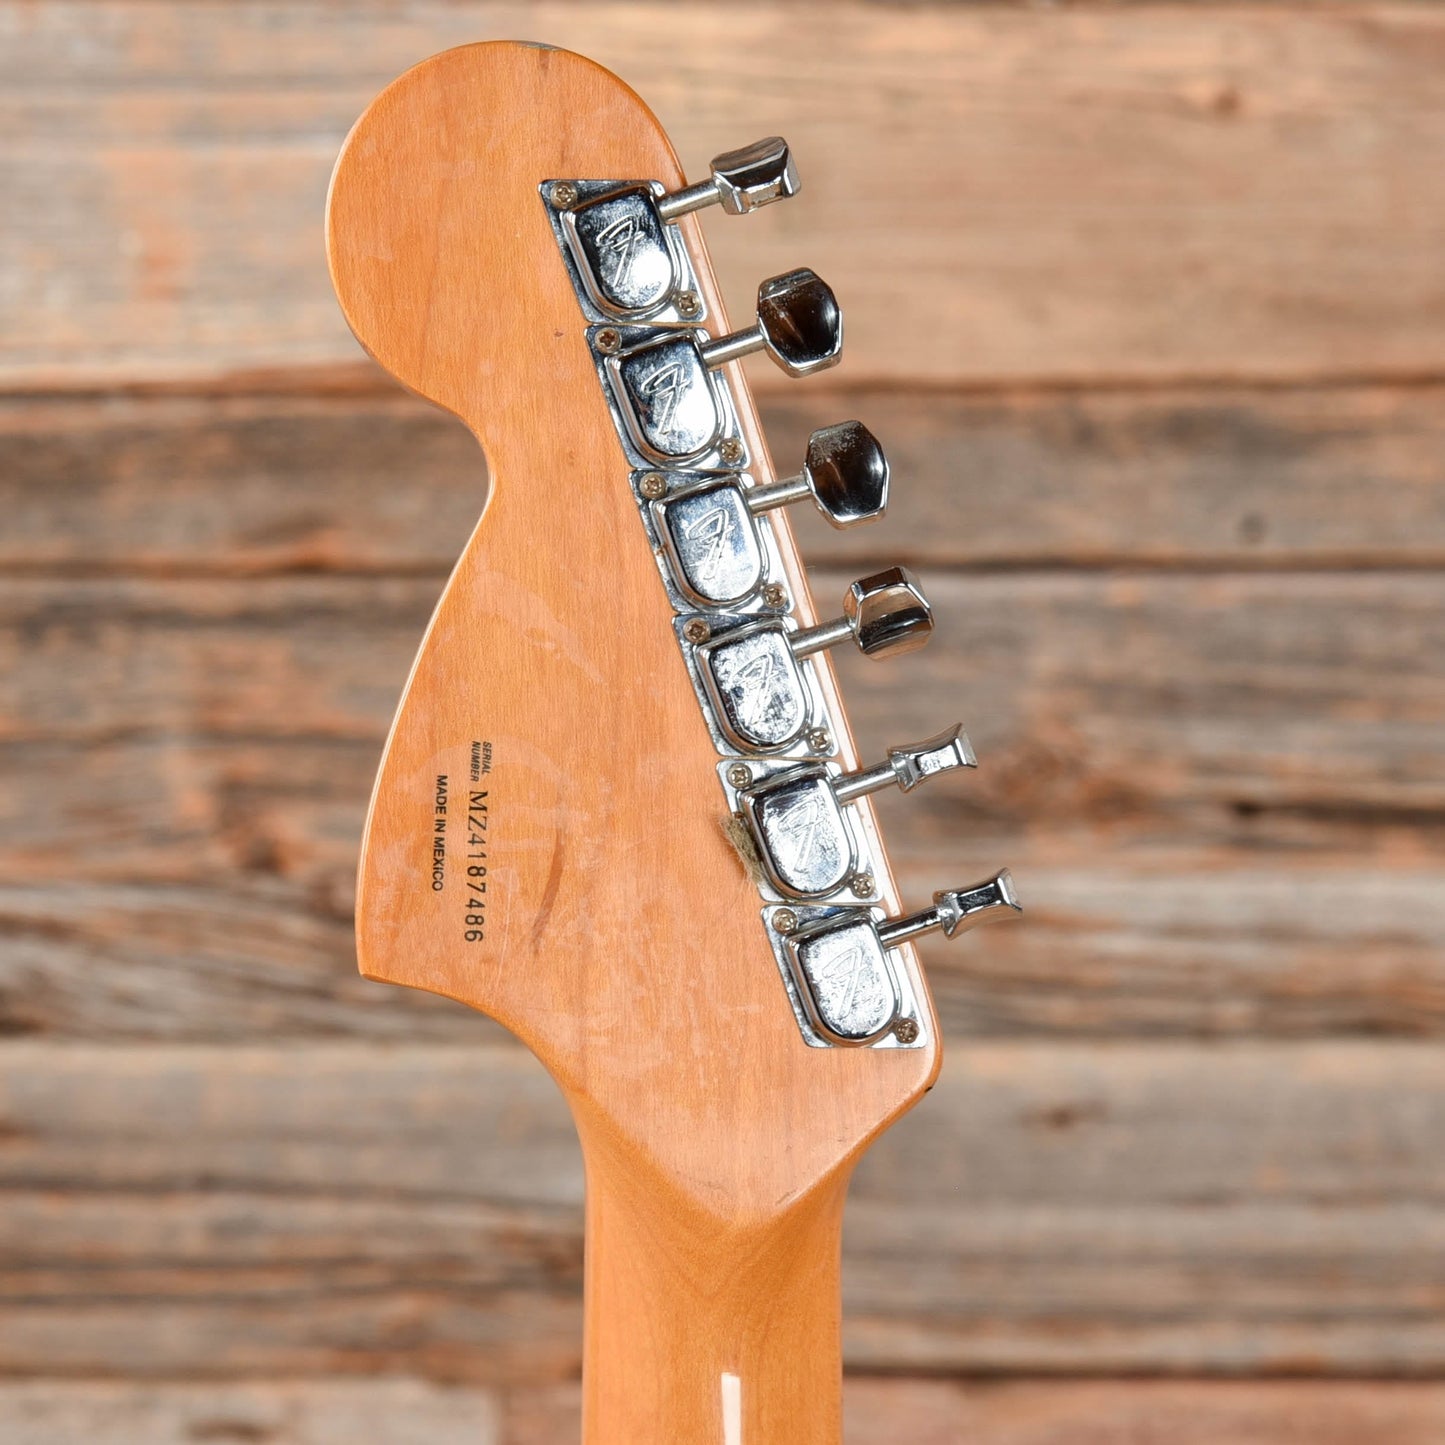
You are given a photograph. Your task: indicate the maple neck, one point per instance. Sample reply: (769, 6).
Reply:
(704, 1327)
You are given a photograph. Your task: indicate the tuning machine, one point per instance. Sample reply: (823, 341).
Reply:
(749, 668)
(622, 240)
(662, 377)
(795, 815)
(705, 521)
(837, 962)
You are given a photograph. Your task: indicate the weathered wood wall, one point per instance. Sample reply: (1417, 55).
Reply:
(1148, 303)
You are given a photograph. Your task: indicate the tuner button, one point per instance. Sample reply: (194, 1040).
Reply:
(755, 175)
(885, 614)
(909, 765)
(915, 762)
(800, 322)
(844, 471)
(957, 910)
(799, 325)
(741, 181)
(888, 613)
(847, 472)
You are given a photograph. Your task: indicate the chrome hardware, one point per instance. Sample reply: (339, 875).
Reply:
(751, 672)
(957, 910)
(712, 542)
(625, 263)
(620, 243)
(844, 471)
(706, 526)
(741, 181)
(807, 847)
(755, 685)
(910, 765)
(665, 393)
(799, 325)
(845, 979)
(841, 970)
(618, 234)
(885, 614)
(662, 379)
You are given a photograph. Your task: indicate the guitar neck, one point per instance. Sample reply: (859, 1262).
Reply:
(706, 1328)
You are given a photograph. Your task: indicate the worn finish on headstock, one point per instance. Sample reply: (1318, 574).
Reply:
(622, 938)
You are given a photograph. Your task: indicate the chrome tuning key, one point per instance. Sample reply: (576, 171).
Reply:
(662, 377)
(799, 325)
(741, 181)
(706, 524)
(632, 264)
(839, 963)
(795, 816)
(750, 672)
(844, 472)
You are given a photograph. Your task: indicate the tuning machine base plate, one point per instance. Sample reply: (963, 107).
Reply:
(900, 1023)
(623, 267)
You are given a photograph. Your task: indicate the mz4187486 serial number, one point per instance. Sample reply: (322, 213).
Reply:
(476, 860)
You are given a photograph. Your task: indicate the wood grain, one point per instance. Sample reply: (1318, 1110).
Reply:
(1304, 477)
(1123, 1208)
(1171, 190)
(1114, 1412)
(924, 1412)
(185, 765)
(1249, 708)
(1141, 300)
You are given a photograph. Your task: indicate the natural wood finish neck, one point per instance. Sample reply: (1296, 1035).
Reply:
(622, 938)
(701, 1326)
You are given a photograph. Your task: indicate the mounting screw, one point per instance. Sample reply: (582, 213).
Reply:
(731, 451)
(740, 775)
(652, 486)
(905, 1031)
(775, 594)
(861, 884)
(608, 340)
(563, 194)
(820, 740)
(785, 920)
(688, 303)
(696, 630)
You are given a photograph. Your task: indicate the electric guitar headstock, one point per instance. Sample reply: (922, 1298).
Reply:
(620, 809)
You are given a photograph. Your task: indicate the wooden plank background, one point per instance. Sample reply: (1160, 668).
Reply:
(1147, 302)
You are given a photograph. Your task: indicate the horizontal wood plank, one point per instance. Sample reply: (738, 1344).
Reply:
(310, 1412)
(997, 192)
(1221, 796)
(1292, 477)
(877, 1411)
(1129, 1208)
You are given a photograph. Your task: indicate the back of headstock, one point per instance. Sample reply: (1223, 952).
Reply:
(620, 809)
